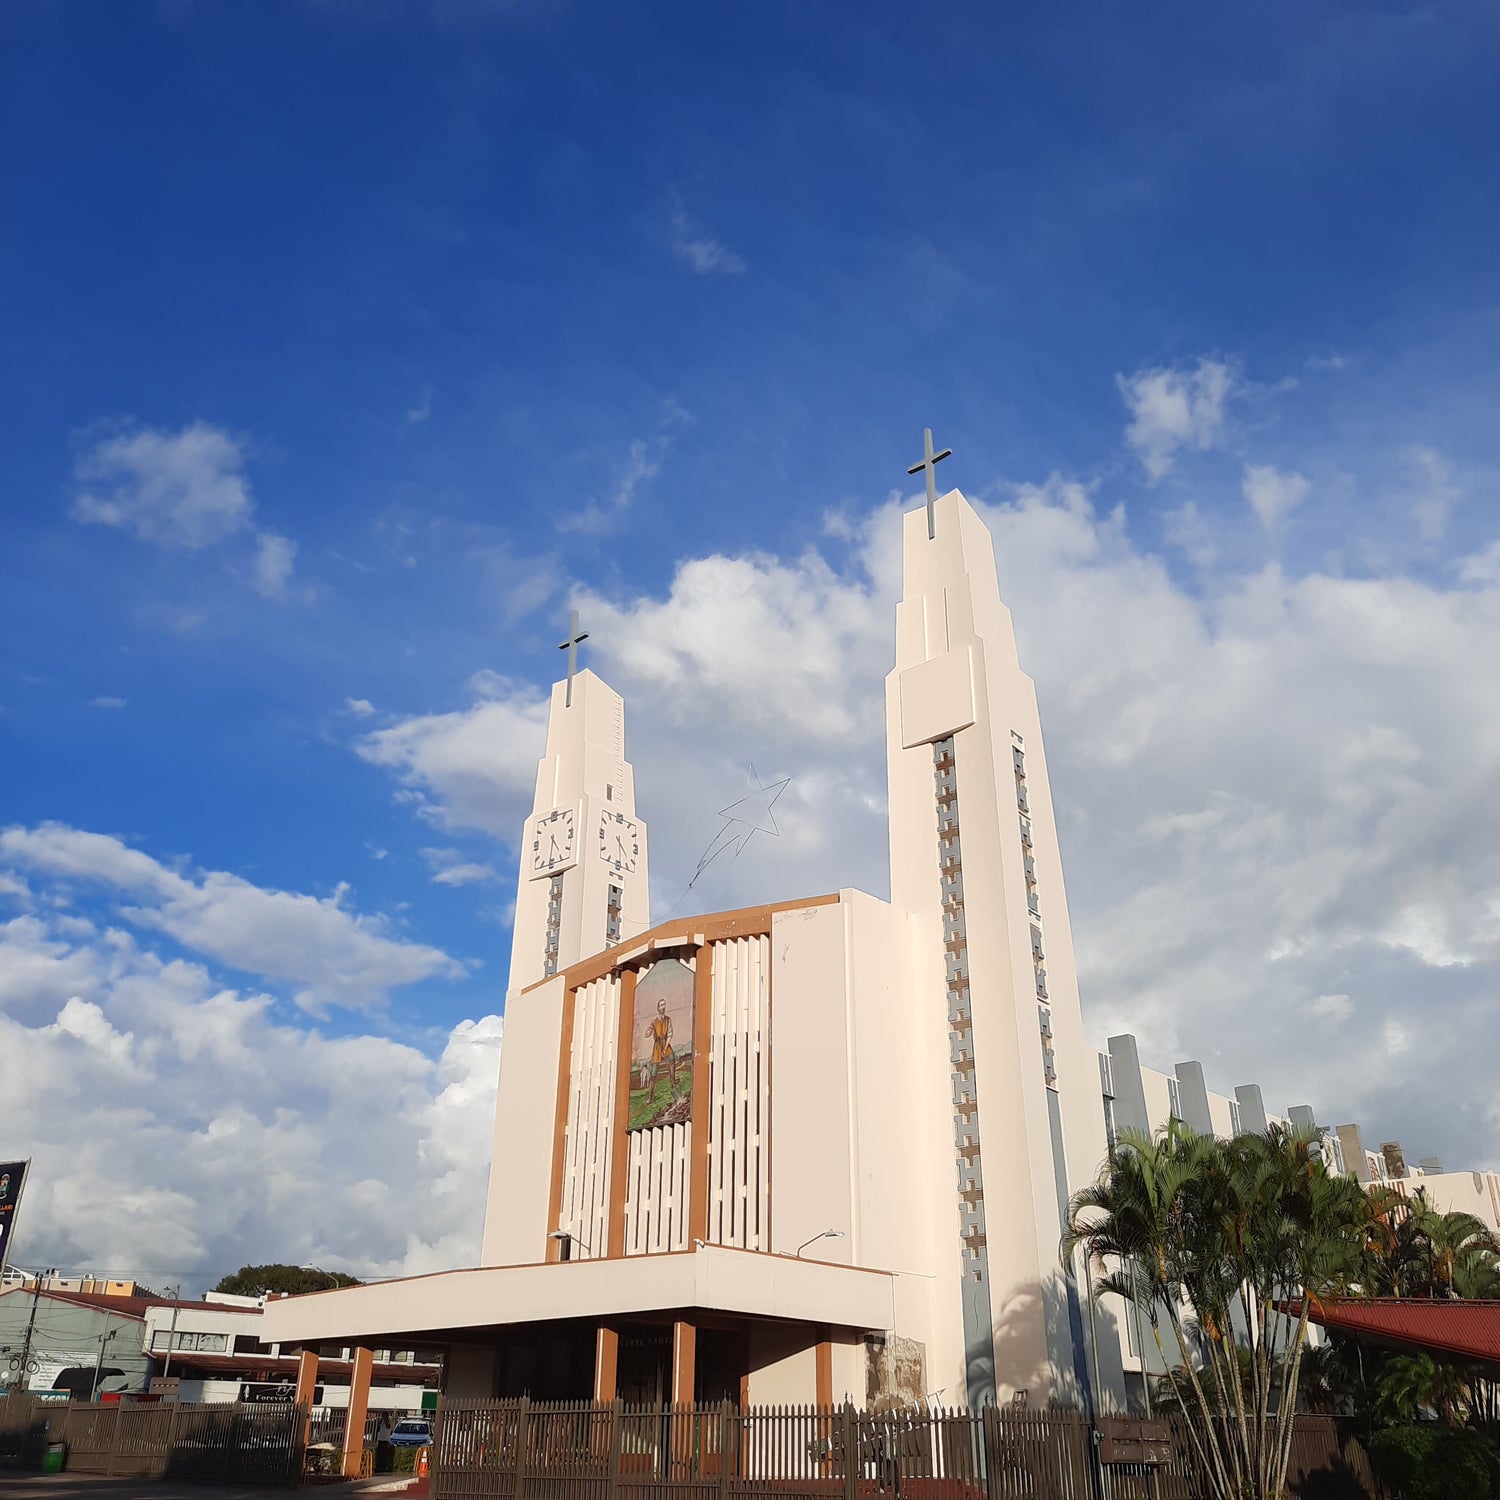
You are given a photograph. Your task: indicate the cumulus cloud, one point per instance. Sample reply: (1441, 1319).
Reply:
(1272, 495)
(450, 867)
(184, 490)
(698, 250)
(1271, 790)
(106, 701)
(330, 954)
(1171, 409)
(274, 556)
(642, 463)
(361, 708)
(251, 1140)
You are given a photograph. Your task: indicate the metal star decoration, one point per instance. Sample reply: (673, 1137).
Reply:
(743, 820)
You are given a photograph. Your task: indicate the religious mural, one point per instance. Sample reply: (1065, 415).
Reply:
(661, 1047)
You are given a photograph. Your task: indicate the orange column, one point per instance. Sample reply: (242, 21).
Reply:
(703, 1034)
(824, 1369)
(307, 1388)
(359, 1406)
(307, 1376)
(552, 1249)
(619, 1141)
(606, 1365)
(684, 1363)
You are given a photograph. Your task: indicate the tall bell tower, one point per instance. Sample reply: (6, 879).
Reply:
(974, 846)
(583, 878)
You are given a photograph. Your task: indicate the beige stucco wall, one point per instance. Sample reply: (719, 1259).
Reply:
(520, 1190)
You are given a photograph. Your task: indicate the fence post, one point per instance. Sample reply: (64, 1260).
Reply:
(523, 1439)
(114, 1440)
(616, 1446)
(174, 1408)
(725, 1443)
(850, 1436)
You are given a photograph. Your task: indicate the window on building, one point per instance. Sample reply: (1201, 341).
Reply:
(247, 1343)
(1106, 1075)
(1235, 1127)
(1174, 1099)
(1109, 1121)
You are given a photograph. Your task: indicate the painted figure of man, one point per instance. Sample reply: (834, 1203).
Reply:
(662, 1053)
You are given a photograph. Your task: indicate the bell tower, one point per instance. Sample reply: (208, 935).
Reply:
(974, 847)
(583, 877)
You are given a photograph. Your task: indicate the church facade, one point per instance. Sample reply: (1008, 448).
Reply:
(811, 1151)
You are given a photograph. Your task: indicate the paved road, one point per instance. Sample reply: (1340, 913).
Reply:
(96, 1487)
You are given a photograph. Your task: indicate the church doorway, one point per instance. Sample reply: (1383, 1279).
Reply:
(644, 1375)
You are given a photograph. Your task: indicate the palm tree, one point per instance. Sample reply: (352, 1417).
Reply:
(1218, 1237)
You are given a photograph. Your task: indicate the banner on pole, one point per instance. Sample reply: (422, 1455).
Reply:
(12, 1180)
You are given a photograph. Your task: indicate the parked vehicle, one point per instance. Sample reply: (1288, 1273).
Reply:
(414, 1432)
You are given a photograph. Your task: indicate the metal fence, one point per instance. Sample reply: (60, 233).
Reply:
(486, 1450)
(240, 1443)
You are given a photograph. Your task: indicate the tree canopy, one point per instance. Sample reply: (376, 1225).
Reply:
(1214, 1244)
(257, 1281)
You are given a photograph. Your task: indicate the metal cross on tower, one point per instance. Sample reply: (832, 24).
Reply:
(571, 645)
(930, 461)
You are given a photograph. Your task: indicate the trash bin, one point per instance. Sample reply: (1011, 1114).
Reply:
(54, 1457)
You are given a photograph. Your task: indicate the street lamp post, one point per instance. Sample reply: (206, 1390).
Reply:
(822, 1234)
(104, 1338)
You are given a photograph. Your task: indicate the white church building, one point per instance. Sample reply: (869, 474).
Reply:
(811, 1151)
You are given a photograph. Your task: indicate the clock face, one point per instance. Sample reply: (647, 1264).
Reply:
(619, 841)
(552, 837)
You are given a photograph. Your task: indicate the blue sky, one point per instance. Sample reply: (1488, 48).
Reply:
(350, 343)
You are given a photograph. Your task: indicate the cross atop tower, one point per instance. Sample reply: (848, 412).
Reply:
(930, 461)
(577, 637)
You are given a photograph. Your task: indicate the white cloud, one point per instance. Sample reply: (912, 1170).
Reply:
(250, 1140)
(1272, 495)
(361, 708)
(184, 489)
(1172, 409)
(470, 768)
(642, 463)
(330, 954)
(1434, 492)
(1332, 1007)
(449, 867)
(178, 489)
(416, 415)
(106, 702)
(1271, 789)
(698, 250)
(274, 556)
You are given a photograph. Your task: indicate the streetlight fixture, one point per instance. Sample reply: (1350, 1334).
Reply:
(566, 1239)
(333, 1280)
(822, 1234)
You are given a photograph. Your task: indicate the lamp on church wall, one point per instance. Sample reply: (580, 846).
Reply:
(565, 1239)
(822, 1234)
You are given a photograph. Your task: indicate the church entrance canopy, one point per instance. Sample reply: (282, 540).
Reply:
(457, 1305)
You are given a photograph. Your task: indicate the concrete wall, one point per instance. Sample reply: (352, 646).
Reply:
(66, 1335)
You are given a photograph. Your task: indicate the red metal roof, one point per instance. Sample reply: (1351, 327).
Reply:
(1461, 1329)
(125, 1307)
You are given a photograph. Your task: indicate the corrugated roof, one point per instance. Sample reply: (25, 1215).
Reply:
(126, 1307)
(1460, 1329)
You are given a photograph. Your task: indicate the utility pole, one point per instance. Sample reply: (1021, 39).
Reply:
(36, 1296)
(104, 1338)
(172, 1335)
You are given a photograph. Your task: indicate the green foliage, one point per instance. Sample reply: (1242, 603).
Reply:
(1207, 1237)
(256, 1281)
(1424, 1461)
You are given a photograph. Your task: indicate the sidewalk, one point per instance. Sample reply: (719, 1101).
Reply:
(16, 1486)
